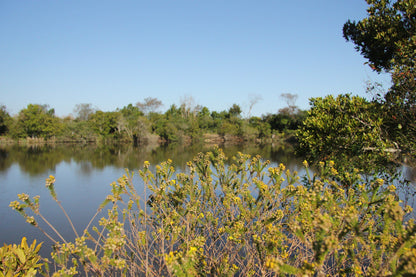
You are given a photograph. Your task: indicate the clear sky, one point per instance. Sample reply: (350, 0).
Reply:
(220, 52)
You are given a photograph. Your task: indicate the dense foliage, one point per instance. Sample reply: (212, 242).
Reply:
(347, 129)
(141, 122)
(387, 39)
(246, 218)
(21, 259)
(351, 129)
(382, 36)
(37, 121)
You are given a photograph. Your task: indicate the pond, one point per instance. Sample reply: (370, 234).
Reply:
(83, 176)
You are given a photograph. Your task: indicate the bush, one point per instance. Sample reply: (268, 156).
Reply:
(344, 125)
(20, 260)
(245, 218)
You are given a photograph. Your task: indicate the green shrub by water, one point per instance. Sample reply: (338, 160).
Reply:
(21, 259)
(241, 217)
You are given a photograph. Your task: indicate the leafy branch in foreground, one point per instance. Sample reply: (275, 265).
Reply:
(21, 259)
(244, 218)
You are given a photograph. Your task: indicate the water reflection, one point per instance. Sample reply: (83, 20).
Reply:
(37, 160)
(410, 174)
(83, 174)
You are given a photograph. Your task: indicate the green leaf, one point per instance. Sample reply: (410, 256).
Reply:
(288, 269)
(21, 254)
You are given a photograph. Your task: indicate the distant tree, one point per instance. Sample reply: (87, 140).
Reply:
(131, 112)
(83, 111)
(204, 111)
(263, 128)
(37, 121)
(173, 113)
(281, 121)
(234, 111)
(105, 124)
(228, 128)
(78, 130)
(291, 108)
(218, 118)
(149, 105)
(253, 101)
(205, 120)
(219, 115)
(133, 122)
(5, 120)
(188, 107)
(166, 129)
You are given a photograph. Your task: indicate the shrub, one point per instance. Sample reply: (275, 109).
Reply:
(344, 125)
(21, 260)
(246, 218)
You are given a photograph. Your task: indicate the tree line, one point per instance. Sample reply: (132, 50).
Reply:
(142, 122)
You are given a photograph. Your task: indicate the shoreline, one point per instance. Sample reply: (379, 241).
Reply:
(206, 138)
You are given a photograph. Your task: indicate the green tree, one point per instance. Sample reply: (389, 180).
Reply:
(205, 120)
(285, 121)
(176, 124)
(105, 123)
(166, 130)
(281, 122)
(37, 121)
(234, 111)
(263, 128)
(387, 38)
(131, 112)
(5, 120)
(78, 130)
(382, 36)
(173, 113)
(133, 123)
(342, 128)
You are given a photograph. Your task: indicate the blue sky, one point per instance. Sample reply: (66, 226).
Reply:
(219, 52)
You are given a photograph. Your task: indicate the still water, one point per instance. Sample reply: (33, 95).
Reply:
(83, 176)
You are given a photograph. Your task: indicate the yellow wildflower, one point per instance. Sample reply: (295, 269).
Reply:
(392, 188)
